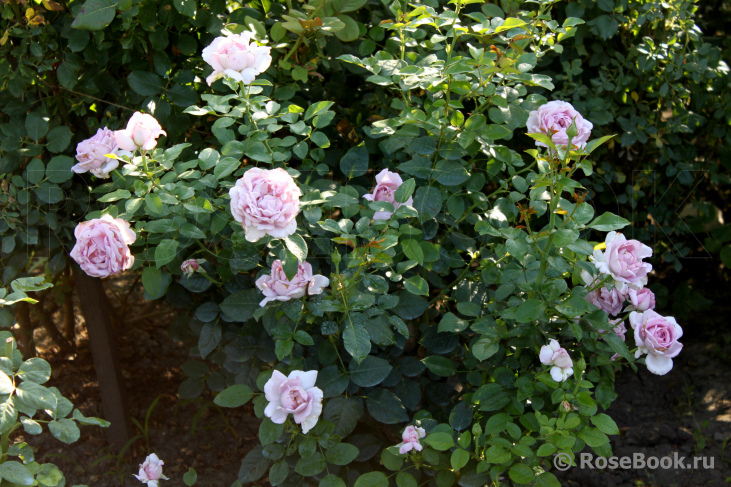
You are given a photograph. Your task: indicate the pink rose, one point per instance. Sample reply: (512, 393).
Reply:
(622, 259)
(266, 202)
(102, 246)
(92, 152)
(237, 57)
(603, 298)
(619, 328)
(554, 118)
(151, 471)
(141, 132)
(387, 183)
(411, 436)
(657, 336)
(295, 395)
(553, 354)
(642, 300)
(191, 266)
(276, 286)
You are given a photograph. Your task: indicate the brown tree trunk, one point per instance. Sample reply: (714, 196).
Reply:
(26, 345)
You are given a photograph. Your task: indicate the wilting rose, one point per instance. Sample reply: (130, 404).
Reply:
(151, 471)
(142, 132)
(387, 183)
(102, 246)
(411, 437)
(295, 395)
(276, 286)
(191, 266)
(642, 300)
(553, 354)
(92, 152)
(657, 336)
(555, 118)
(603, 298)
(622, 259)
(266, 202)
(237, 57)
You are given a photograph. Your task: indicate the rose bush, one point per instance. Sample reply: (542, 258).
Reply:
(368, 243)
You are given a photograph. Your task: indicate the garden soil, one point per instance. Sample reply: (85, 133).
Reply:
(688, 411)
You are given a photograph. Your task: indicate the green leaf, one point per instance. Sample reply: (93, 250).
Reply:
(119, 194)
(405, 479)
(36, 396)
(297, 245)
(16, 473)
(510, 23)
(269, 431)
(593, 145)
(35, 370)
(459, 459)
(234, 396)
(36, 125)
(608, 222)
(428, 202)
(370, 372)
(618, 345)
(57, 140)
(386, 407)
(452, 324)
(441, 366)
(309, 467)
(440, 441)
(64, 430)
(342, 454)
(356, 339)
(417, 285)
(412, 249)
(155, 282)
(186, 7)
(225, 167)
(317, 108)
(593, 437)
(191, 477)
(94, 15)
(605, 424)
(278, 473)
(484, 348)
(404, 192)
(574, 306)
(372, 479)
(344, 413)
(165, 252)
(530, 310)
(6, 384)
(30, 426)
(355, 162)
(240, 306)
(521, 473)
(145, 83)
(331, 481)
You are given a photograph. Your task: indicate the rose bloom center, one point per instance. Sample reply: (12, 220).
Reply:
(294, 398)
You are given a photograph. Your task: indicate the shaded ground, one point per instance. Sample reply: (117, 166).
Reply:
(183, 433)
(687, 411)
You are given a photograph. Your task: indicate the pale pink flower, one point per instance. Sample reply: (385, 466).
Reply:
(555, 118)
(276, 286)
(141, 132)
(642, 300)
(237, 57)
(603, 298)
(295, 395)
(411, 437)
(622, 259)
(657, 336)
(387, 183)
(91, 154)
(191, 266)
(266, 202)
(151, 471)
(553, 354)
(102, 246)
